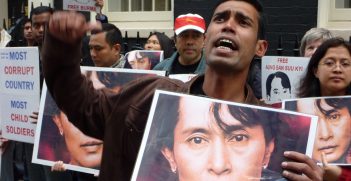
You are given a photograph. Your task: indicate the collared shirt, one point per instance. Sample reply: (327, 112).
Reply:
(120, 63)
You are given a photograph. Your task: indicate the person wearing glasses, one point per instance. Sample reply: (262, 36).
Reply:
(329, 74)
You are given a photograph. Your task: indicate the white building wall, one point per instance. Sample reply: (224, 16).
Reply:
(37, 3)
(3, 12)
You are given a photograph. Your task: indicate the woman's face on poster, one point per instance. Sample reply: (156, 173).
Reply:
(84, 150)
(334, 129)
(204, 151)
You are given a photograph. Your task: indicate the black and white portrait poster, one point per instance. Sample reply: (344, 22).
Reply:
(190, 138)
(281, 77)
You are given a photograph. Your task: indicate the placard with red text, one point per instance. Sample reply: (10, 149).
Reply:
(80, 5)
(281, 77)
(19, 92)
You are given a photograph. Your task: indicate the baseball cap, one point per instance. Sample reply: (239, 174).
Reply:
(189, 22)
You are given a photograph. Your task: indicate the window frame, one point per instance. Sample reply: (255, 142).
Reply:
(331, 17)
(143, 22)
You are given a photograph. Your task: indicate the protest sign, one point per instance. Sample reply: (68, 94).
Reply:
(281, 77)
(187, 137)
(19, 92)
(58, 139)
(80, 5)
(143, 59)
(333, 135)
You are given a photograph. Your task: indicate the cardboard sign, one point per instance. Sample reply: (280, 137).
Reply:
(19, 92)
(187, 136)
(333, 135)
(80, 5)
(58, 139)
(281, 77)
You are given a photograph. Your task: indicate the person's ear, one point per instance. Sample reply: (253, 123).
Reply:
(57, 120)
(315, 72)
(261, 48)
(268, 153)
(168, 154)
(117, 47)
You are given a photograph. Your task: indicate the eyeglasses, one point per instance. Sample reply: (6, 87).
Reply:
(331, 64)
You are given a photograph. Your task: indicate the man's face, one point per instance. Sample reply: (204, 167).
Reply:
(84, 150)
(189, 45)
(102, 54)
(278, 92)
(27, 31)
(38, 25)
(203, 151)
(231, 38)
(333, 132)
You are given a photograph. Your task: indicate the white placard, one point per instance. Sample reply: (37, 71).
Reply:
(19, 92)
(283, 75)
(80, 5)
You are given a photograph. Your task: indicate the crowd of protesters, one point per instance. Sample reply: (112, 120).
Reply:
(220, 55)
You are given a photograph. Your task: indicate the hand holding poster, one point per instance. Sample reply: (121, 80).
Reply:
(57, 139)
(19, 92)
(193, 138)
(281, 77)
(334, 126)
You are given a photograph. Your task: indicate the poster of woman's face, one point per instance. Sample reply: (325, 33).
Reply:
(334, 126)
(143, 59)
(57, 139)
(281, 76)
(196, 138)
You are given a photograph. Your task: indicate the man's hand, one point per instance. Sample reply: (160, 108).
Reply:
(99, 3)
(34, 117)
(58, 167)
(301, 167)
(70, 27)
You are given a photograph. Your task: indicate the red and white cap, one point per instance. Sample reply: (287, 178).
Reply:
(189, 22)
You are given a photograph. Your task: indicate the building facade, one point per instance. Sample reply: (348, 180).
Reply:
(287, 21)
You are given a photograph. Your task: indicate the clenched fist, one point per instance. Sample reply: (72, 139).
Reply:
(70, 27)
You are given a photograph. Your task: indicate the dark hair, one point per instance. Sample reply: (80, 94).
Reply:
(152, 56)
(40, 10)
(249, 117)
(166, 44)
(113, 34)
(310, 85)
(336, 103)
(261, 34)
(285, 81)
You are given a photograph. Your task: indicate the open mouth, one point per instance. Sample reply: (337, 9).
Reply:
(226, 44)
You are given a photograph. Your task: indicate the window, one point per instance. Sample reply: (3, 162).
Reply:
(144, 16)
(335, 15)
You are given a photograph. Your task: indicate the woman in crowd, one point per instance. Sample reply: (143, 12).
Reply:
(329, 74)
(312, 39)
(160, 41)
